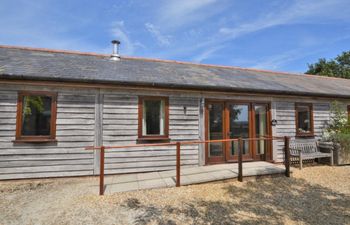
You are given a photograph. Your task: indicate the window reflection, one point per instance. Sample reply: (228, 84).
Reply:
(239, 126)
(260, 127)
(36, 115)
(216, 129)
(303, 119)
(153, 117)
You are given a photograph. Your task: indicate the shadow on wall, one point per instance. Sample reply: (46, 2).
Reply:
(270, 201)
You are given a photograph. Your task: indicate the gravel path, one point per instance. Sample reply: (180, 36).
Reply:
(315, 195)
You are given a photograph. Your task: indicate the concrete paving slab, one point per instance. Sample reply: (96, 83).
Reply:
(155, 183)
(195, 170)
(148, 176)
(184, 180)
(169, 181)
(167, 174)
(223, 174)
(122, 187)
(109, 179)
(125, 178)
(189, 175)
(200, 178)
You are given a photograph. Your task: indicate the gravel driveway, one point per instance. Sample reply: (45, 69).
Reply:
(315, 195)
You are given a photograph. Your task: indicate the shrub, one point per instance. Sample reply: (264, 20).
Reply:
(338, 130)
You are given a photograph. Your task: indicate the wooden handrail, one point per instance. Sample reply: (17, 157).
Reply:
(184, 143)
(178, 154)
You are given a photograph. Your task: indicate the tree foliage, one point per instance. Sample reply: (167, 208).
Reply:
(338, 67)
(33, 102)
(338, 130)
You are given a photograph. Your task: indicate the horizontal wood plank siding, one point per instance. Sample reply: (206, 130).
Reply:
(120, 123)
(321, 118)
(66, 157)
(285, 115)
(76, 129)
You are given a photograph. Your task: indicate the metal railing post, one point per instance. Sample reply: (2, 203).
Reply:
(240, 159)
(178, 146)
(102, 169)
(287, 156)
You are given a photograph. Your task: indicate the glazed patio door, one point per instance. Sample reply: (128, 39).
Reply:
(239, 125)
(215, 130)
(260, 117)
(230, 120)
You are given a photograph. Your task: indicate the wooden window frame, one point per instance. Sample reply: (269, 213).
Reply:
(145, 138)
(251, 104)
(36, 138)
(311, 133)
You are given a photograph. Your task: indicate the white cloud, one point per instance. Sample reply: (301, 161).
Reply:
(178, 13)
(303, 12)
(206, 54)
(299, 12)
(163, 40)
(119, 32)
(276, 61)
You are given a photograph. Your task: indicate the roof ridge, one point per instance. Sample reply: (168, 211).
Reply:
(269, 72)
(53, 50)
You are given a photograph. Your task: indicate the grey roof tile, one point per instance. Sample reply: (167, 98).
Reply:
(18, 63)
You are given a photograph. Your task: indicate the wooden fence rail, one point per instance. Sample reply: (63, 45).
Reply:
(178, 154)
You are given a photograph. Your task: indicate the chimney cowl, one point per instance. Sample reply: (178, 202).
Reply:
(115, 55)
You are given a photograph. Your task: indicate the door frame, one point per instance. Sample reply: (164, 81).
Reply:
(228, 157)
(225, 158)
(214, 160)
(268, 153)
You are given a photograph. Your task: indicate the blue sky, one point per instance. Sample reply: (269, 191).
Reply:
(267, 34)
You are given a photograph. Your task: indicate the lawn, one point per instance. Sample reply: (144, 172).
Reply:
(314, 195)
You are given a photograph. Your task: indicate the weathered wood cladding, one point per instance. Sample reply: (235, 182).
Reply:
(285, 115)
(66, 157)
(120, 122)
(83, 114)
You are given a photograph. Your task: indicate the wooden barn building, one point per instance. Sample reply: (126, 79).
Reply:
(53, 104)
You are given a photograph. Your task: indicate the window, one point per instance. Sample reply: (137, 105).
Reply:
(153, 118)
(36, 117)
(304, 119)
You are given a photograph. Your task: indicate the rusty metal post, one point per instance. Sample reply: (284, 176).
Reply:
(178, 161)
(287, 156)
(102, 169)
(240, 159)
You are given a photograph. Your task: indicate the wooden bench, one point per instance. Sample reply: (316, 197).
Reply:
(308, 150)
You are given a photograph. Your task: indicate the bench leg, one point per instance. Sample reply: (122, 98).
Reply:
(332, 159)
(300, 161)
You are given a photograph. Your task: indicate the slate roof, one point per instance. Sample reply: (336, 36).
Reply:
(51, 65)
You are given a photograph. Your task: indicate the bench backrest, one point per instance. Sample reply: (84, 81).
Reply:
(305, 147)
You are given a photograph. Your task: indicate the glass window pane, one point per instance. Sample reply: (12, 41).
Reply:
(304, 119)
(36, 115)
(153, 117)
(216, 129)
(239, 126)
(260, 127)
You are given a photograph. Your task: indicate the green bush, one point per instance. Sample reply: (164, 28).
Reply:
(338, 130)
